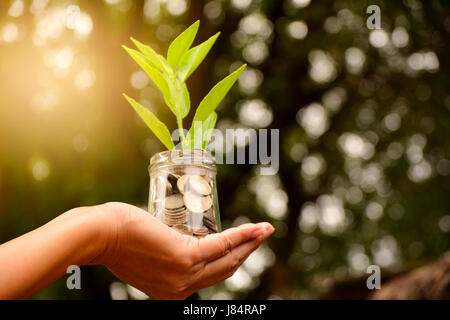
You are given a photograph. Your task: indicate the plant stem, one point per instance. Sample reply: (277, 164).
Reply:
(180, 128)
(181, 132)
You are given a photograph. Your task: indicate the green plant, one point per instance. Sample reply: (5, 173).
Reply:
(170, 76)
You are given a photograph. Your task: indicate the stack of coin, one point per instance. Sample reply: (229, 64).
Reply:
(187, 204)
(175, 210)
(201, 232)
(209, 220)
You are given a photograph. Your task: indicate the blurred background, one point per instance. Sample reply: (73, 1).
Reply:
(364, 119)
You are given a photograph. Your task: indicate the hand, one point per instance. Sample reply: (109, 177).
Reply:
(166, 264)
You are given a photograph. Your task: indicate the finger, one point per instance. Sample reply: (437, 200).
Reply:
(224, 267)
(230, 262)
(217, 245)
(212, 274)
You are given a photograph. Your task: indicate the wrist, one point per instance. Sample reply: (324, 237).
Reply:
(97, 229)
(105, 228)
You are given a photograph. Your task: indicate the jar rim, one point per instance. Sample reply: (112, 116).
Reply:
(183, 157)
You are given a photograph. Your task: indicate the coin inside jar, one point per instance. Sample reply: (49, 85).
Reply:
(210, 223)
(199, 185)
(182, 198)
(182, 182)
(197, 203)
(174, 202)
(201, 232)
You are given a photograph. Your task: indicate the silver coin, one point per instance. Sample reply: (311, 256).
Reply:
(183, 218)
(176, 210)
(197, 203)
(182, 182)
(199, 185)
(206, 203)
(179, 218)
(211, 226)
(210, 213)
(174, 202)
(176, 220)
(173, 222)
(209, 220)
(176, 214)
(201, 232)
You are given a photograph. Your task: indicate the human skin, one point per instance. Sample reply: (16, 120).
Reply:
(131, 243)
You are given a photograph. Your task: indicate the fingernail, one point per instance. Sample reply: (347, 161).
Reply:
(258, 232)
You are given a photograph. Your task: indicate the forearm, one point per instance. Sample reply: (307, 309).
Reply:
(38, 258)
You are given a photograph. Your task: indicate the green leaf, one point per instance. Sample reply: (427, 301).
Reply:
(157, 61)
(180, 99)
(181, 44)
(156, 126)
(201, 132)
(209, 124)
(167, 69)
(158, 78)
(192, 59)
(185, 101)
(170, 98)
(216, 95)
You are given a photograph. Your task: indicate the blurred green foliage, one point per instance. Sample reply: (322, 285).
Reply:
(363, 118)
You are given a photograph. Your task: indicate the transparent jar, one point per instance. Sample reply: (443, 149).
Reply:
(183, 191)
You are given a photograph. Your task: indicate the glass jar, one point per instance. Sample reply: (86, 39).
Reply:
(183, 191)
